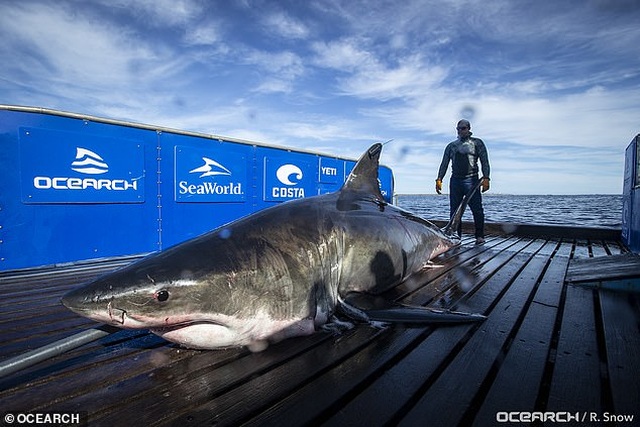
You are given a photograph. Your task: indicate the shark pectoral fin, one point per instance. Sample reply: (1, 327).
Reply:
(415, 314)
(376, 308)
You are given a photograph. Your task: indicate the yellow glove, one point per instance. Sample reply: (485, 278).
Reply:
(439, 186)
(485, 184)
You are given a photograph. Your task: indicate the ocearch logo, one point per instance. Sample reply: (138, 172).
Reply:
(289, 175)
(89, 163)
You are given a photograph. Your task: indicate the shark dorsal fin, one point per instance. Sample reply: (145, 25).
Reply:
(364, 176)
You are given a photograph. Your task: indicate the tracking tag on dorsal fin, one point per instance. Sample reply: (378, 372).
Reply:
(364, 176)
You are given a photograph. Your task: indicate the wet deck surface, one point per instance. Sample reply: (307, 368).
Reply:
(546, 346)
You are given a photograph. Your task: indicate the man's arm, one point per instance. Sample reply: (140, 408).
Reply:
(484, 159)
(443, 168)
(445, 162)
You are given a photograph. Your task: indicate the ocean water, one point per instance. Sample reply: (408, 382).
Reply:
(580, 210)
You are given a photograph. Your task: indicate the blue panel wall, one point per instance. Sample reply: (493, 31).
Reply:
(205, 183)
(631, 196)
(51, 213)
(75, 188)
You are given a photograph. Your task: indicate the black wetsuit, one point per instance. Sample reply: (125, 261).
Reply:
(464, 155)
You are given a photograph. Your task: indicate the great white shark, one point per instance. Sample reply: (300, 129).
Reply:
(280, 272)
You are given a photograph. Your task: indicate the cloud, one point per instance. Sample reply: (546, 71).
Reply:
(71, 55)
(362, 74)
(58, 44)
(285, 26)
(345, 55)
(158, 13)
(285, 63)
(277, 72)
(403, 81)
(207, 34)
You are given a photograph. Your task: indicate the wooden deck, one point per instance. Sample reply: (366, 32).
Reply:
(546, 346)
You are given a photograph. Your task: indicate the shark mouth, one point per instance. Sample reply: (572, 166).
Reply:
(123, 319)
(176, 326)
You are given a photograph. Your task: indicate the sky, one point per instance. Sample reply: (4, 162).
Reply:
(552, 87)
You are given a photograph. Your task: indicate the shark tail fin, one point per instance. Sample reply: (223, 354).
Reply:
(451, 229)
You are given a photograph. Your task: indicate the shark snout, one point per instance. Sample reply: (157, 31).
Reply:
(94, 307)
(75, 301)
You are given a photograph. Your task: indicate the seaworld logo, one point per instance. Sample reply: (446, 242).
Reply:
(210, 168)
(207, 168)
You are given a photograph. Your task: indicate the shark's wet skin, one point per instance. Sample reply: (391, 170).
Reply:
(278, 273)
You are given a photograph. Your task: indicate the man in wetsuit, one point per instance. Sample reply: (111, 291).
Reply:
(464, 153)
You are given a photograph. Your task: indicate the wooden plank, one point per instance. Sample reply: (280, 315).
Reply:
(575, 385)
(72, 362)
(604, 268)
(519, 377)
(161, 379)
(621, 322)
(162, 376)
(615, 247)
(26, 341)
(618, 285)
(254, 393)
(598, 249)
(36, 326)
(543, 231)
(462, 279)
(552, 284)
(391, 395)
(580, 250)
(461, 381)
(338, 386)
(101, 264)
(79, 372)
(565, 232)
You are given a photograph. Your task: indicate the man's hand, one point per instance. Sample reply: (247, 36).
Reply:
(439, 186)
(485, 184)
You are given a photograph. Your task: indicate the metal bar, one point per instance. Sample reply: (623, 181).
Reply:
(30, 358)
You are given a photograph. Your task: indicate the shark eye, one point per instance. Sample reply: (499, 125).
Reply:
(162, 295)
